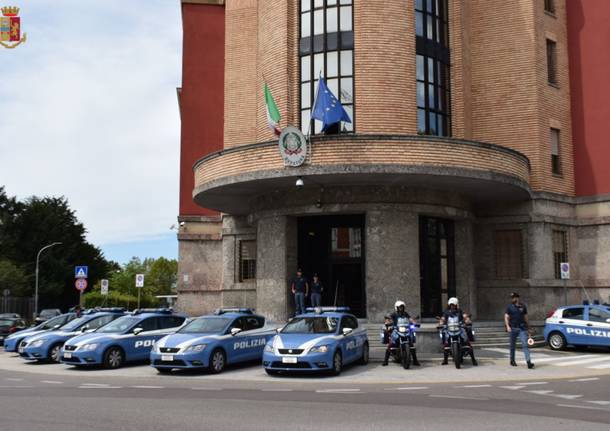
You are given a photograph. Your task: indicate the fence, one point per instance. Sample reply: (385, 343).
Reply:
(14, 304)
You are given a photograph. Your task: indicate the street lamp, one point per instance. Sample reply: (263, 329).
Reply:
(36, 291)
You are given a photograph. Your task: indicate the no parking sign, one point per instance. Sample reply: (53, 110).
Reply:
(565, 270)
(139, 280)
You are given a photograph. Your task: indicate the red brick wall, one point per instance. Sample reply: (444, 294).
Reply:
(588, 38)
(202, 95)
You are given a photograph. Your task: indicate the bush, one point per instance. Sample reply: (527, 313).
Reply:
(117, 299)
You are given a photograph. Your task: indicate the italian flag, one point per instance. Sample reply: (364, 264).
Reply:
(273, 114)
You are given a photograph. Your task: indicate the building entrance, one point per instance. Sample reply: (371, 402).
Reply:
(437, 264)
(333, 247)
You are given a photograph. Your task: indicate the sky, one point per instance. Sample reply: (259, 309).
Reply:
(88, 110)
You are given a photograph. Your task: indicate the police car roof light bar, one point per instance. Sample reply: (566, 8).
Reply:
(104, 310)
(153, 310)
(225, 310)
(320, 310)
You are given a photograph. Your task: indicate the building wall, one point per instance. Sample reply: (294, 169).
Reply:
(588, 35)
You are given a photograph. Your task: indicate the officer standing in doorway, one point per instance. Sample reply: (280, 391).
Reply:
(300, 289)
(316, 291)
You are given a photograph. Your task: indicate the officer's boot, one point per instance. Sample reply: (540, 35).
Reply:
(414, 356)
(445, 356)
(387, 357)
(474, 361)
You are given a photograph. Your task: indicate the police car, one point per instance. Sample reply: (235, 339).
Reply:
(127, 339)
(229, 336)
(323, 339)
(47, 346)
(578, 325)
(11, 342)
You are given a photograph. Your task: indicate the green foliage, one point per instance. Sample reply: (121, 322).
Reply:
(117, 299)
(12, 277)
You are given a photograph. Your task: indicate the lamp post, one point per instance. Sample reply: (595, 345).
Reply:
(36, 291)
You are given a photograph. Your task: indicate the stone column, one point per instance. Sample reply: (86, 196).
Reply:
(392, 262)
(275, 260)
(464, 266)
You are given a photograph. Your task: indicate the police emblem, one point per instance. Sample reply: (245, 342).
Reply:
(293, 146)
(10, 28)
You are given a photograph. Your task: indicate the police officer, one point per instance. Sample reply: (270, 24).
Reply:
(316, 291)
(517, 325)
(453, 310)
(400, 311)
(300, 289)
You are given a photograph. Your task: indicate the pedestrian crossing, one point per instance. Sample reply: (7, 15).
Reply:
(593, 361)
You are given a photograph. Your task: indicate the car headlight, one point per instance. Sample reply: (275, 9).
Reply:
(319, 349)
(196, 348)
(37, 343)
(269, 348)
(92, 346)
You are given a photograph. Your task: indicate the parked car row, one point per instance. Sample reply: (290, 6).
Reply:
(322, 339)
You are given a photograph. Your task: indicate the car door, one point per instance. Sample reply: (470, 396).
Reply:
(140, 345)
(598, 324)
(348, 342)
(573, 325)
(255, 337)
(236, 344)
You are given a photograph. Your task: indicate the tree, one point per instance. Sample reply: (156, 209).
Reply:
(12, 278)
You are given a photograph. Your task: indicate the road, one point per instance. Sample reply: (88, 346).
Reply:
(53, 397)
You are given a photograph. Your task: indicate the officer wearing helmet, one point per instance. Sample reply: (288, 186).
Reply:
(453, 310)
(400, 311)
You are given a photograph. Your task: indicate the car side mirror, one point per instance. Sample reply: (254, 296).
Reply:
(56, 326)
(137, 330)
(84, 328)
(607, 320)
(347, 331)
(235, 331)
(278, 330)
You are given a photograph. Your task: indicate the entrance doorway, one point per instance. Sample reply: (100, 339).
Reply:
(437, 264)
(333, 247)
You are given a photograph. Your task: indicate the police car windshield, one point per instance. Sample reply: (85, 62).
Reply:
(120, 325)
(59, 320)
(311, 325)
(206, 325)
(73, 325)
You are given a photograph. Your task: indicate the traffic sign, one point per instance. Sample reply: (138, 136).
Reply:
(104, 287)
(139, 280)
(80, 284)
(81, 271)
(565, 270)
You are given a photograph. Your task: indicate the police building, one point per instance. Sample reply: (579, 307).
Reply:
(471, 159)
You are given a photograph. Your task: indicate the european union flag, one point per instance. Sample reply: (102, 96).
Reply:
(327, 108)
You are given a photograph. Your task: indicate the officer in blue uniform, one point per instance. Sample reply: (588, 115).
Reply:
(300, 289)
(517, 325)
(316, 291)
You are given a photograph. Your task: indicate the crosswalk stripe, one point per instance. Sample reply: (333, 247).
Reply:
(583, 361)
(563, 358)
(600, 367)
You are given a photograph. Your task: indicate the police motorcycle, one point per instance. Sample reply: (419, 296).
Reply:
(401, 339)
(454, 332)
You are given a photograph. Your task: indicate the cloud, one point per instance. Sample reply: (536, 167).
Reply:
(88, 110)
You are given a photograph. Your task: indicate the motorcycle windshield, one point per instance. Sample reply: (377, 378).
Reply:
(402, 321)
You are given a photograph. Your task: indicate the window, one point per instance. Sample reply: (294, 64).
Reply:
(432, 67)
(346, 242)
(597, 315)
(150, 324)
(247, 260)
(551, 61)
(170, 322)
(574, 313)
(254, 323)
(555, 159)
(349, 322)
(549, 6)
(560, 250)
(509, 254)
(100, 321)
(327, 46)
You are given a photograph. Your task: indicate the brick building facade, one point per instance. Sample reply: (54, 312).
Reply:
(473, 166)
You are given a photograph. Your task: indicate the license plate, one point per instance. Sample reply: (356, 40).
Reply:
(67, 355)
(169, 358)
(21, 350)
(289, 360)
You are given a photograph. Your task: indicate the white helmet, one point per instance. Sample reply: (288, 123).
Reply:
(398, 304)
(453, 301)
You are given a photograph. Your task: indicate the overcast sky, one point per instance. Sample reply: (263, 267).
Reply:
(88, 110)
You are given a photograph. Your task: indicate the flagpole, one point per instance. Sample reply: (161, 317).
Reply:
(311, 120)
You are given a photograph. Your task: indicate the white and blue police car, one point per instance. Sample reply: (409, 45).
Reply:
(229, 336)
(129, 338)
(47, 346)
(578, 325)
(322, 339)
(11, 343)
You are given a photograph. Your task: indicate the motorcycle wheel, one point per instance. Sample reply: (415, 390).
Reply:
(405, 356)
(457, 355)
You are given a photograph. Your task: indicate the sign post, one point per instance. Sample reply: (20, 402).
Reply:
(81, 273)
(139, 285)
(565, 276)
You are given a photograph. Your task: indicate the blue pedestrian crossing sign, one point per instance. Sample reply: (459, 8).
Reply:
(81, 271)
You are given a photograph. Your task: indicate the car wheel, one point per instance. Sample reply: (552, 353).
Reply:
(54, 353)
(557, 341)
(218, 361)
(114, 358)
(365, 354)
(164, 370)
(337, 363)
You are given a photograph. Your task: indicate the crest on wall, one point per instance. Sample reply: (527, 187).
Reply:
(293, 146)
(10, 28)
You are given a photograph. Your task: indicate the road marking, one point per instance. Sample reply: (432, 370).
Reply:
(581, 407)
(601, 403)
(532, 383)
(408, 388)
(512, 388)
(95, 385)
(459, 397)
(276, 390)
(566, 397)
(539, 392)
(13, 379)
(583, 361)
(600, 367)
(563, 358)
(15, 387)
(587, 379)
(148, 387)
(338, 391)
(52, 382)
(474, 386)
(206, 389)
